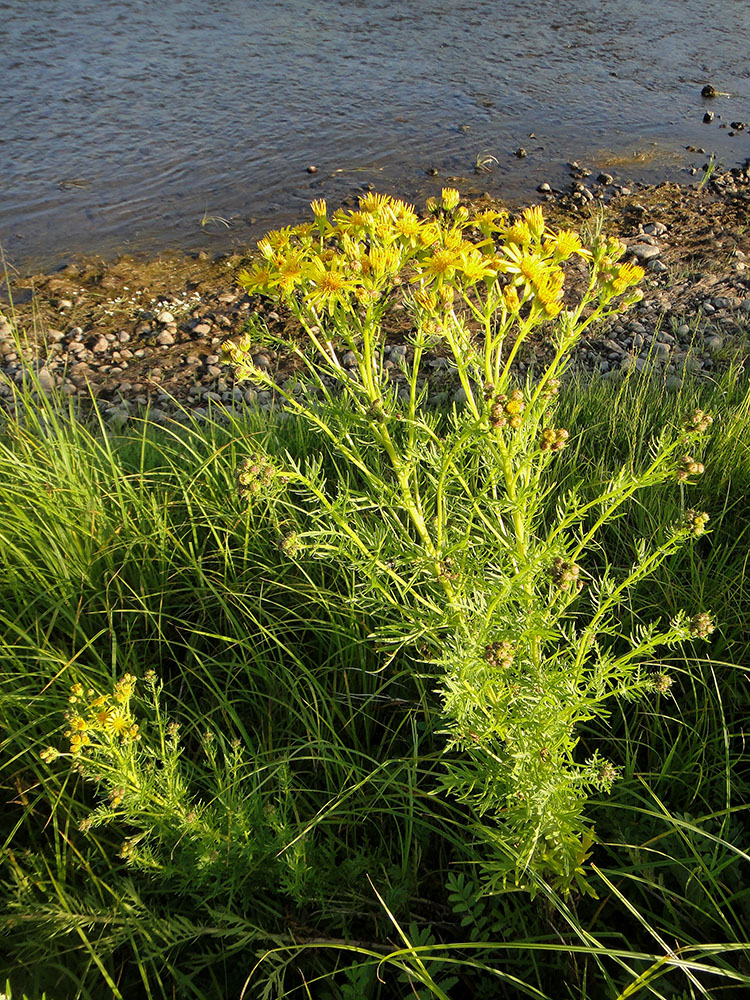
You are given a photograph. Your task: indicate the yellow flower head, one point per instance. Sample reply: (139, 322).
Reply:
(257, 280)
(565, 244)
(489, 221)
(510, 299)
(441, 265)
(534, 219)
(450, 198)
(373, 203)
(319, 209)
(518, 233)
(626, 276)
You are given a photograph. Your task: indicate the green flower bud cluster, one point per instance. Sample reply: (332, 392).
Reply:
(290, 545)
(500, 654)
(661, 682)
(553, 439)
(689, 467)
(701, 625)
(506, 411)
(551, 388)
(695, 523)
(697, 423)
(607, 774)
(564, 574)
(253, 476)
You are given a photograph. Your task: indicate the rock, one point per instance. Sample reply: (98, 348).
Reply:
(398, 353)
(644, 251)
(119, 417)
(459, 396)
(202, 329)
(657, 266)
(312, 169)
(165, 317)
(544, 188)
(709, 308)
(251, 397)
(213, 396)
(709, 91)
(101, 346)
(521, 153)
(123, 336)
(722, 302)
(715, 343)
(655, 229)
(662, 351)
(605, 179)
(6, 330)
(46, 380)
(708, 117)
(55, 336)
(165, 339)
(349, 360)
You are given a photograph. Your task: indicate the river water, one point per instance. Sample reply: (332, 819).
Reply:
(140, 124)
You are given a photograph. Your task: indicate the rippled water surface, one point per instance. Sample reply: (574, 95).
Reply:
(140, 123)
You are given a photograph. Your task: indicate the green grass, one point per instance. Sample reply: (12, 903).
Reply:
(128, 552)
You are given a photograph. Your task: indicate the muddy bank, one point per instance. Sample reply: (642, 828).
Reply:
(137, 332)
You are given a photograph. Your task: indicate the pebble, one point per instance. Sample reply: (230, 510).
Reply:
(644, 251)
(165, 339)
(46, 380)
(544, 188)
(202, 329)
(722, 302)
(657, 266)
(715, 343)
(349, 360)
(259, 360)
(165, 317)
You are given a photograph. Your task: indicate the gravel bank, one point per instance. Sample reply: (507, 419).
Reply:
(147, 333)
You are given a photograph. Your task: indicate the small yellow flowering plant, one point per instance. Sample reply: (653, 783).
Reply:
(462, 538)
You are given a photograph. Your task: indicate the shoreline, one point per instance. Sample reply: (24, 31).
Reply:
(139, 332)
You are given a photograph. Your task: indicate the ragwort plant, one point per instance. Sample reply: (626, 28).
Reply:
(448, 520)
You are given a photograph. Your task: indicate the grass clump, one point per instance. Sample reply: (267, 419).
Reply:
(269, 698)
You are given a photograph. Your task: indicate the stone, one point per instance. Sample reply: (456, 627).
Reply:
(165, 339)
(644, 251)
(745, 306)
(398, 352)
(259, 360)
(715, 343)
(544, 188)
(605, 179)
(202, 329)
(165, 317)
(101, 346)
(722, 302)
(349, 360)
(657, 266)
(46, 380)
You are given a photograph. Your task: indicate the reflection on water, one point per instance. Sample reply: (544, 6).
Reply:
(129, 122)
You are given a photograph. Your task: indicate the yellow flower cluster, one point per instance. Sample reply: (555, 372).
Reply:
(100, 715)
(351, 259)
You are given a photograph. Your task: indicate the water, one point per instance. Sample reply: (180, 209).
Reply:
(138, 124)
